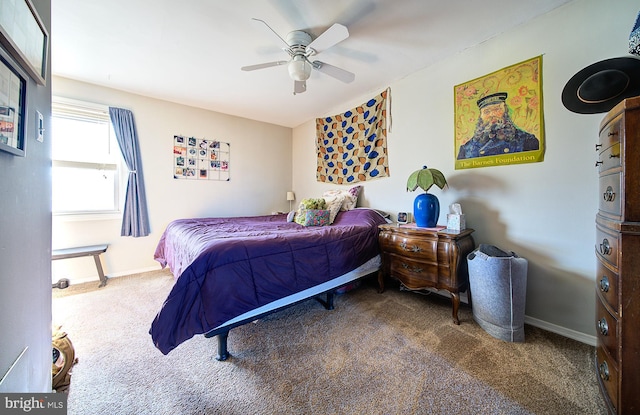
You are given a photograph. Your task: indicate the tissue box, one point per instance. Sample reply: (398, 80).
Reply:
(456, 222)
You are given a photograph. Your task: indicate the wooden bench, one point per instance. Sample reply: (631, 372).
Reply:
(81, 251)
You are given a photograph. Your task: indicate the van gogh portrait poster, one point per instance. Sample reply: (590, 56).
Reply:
(499, 117)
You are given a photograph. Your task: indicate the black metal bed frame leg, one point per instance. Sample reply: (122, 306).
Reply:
(223, 335)
(330, 296)
(223, 354)
(328, 303)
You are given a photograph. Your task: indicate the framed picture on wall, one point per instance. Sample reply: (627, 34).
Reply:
(13, 97)
(499, 117)
(199, 158)
(25, 37)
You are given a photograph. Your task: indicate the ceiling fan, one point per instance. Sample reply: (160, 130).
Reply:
(300, 48)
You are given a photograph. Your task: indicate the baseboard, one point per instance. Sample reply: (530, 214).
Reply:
(563, 331)
(114, 275)
(134, 271)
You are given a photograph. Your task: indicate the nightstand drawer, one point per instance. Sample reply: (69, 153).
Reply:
(607, 330)
(414, 274)
(607, 286)
(423, 248)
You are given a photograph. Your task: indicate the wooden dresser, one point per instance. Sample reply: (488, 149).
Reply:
(422, 258)
(617, 358)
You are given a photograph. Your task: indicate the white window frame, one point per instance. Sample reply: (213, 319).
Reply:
(80, 110)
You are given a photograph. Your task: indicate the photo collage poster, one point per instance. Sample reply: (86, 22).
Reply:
(200, 159)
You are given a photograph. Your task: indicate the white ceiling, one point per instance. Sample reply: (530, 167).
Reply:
(191, 51)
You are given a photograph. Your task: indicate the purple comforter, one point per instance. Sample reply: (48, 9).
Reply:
(225, 267)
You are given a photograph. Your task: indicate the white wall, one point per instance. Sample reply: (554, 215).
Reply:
(260, 169)
(544, 211)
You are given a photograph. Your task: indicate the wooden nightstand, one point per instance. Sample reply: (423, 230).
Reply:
(422, 258)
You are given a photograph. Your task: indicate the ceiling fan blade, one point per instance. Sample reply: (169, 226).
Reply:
(299, 87)
(263, 65)
(284, 42)
(338, 73)
(333, 35)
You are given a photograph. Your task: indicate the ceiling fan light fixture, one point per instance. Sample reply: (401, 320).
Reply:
(300, 47)
(299, 68)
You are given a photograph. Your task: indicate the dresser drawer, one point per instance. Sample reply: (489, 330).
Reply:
(610, 200)
(607, 330)
(607, 286)
(607, 372)
(423, 248)
(607, 246)
(611, 133)
(609, 158)
(414, 274)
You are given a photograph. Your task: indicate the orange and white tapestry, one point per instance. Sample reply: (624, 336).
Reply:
(352, 146)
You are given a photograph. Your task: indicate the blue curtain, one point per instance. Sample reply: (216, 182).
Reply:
(135, 220)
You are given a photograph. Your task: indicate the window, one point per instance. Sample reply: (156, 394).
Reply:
(87, 162)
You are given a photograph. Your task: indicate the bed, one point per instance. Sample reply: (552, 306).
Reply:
(230, 271)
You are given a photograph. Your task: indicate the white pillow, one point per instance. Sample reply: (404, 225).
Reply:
(334, 203)
(348, 201)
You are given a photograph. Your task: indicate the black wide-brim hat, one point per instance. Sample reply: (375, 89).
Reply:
(602, 85)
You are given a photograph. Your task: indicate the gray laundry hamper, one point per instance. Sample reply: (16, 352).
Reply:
(498, 284)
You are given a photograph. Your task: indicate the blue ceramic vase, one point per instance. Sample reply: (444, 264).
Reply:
(426, 210)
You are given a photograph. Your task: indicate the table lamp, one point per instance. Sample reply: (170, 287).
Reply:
(290, 197)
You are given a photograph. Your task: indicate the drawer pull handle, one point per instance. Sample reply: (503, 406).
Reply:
(604, 371)
(411, 269)
(609, 195)
(604, 284)
(598, 146)
(414, 248)
(603, 327)
(605, 248)
(598, 163)
(614, 156)
(612, 133)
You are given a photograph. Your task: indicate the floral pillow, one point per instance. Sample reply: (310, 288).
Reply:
(315, 217)
(355, 191)
(308, 204)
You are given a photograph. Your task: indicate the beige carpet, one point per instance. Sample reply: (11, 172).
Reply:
(390, 353)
